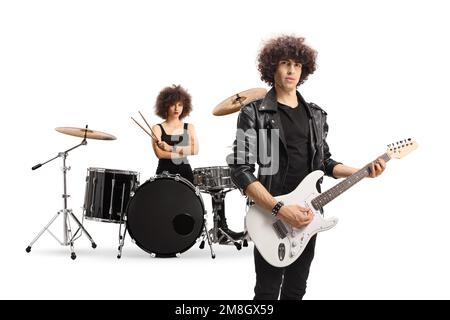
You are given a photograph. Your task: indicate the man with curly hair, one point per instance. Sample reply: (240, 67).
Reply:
(298, 129)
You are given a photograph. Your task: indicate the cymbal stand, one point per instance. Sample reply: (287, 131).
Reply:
(68, 239)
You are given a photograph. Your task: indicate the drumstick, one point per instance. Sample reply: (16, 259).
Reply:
(151, 136)
(147, 123)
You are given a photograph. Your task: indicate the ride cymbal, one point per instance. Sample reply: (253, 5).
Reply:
(237, 101)
(90, 134)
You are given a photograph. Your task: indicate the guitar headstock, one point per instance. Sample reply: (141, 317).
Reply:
(401, 148)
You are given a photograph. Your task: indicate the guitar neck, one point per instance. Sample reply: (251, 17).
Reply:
(324, 198)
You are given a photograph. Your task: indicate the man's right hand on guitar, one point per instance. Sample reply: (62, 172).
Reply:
(295, 215)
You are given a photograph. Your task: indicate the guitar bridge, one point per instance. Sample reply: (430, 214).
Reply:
(280, 229)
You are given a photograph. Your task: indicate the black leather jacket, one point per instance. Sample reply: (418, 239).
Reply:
(262, 116)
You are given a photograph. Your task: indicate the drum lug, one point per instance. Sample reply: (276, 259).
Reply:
(177, 177)
(197, 191)
(178, 255)
(165, 173)
(153, 255)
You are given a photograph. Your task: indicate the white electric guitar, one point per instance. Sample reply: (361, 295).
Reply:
(281, 244)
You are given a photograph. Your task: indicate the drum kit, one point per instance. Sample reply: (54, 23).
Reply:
(156, 224)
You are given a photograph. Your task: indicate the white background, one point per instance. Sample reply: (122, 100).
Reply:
(382, 74)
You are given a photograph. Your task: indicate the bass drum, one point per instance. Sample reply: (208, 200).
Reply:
(166, 215)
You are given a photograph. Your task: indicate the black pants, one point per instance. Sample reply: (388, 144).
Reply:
(291, 279)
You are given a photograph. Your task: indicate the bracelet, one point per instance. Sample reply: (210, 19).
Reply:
(277, 208)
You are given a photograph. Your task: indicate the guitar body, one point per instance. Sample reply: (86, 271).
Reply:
(281, 244)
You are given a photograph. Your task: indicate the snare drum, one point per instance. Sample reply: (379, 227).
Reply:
(107, 193)
(212, 178)
(166, 215)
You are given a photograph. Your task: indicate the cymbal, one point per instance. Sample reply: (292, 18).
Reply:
(237, 101)
(90, 134)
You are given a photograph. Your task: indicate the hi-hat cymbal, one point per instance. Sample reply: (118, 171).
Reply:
(237, 101)
(90, 134)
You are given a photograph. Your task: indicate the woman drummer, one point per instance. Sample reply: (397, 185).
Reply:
(176, 139)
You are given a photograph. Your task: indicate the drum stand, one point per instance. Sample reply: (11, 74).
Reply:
(67, 232)
(121, 236)
(218, 204)
(207, 236)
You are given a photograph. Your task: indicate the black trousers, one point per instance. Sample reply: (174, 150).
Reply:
(291, 279)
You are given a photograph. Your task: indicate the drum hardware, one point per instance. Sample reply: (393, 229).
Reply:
(122, 238)
(218, 234)
(69, 239)
(217, 182)
(207, 236)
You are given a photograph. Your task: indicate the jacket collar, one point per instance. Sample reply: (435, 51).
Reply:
(270, 102)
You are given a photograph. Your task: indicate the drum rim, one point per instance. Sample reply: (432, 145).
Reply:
(213, 167)
(102, 220)
(176, 177)
(102, 170)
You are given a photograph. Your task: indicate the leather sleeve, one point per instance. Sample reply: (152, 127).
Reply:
(328, 162)
(244, 156)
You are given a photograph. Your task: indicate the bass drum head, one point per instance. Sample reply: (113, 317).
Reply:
(165, 216)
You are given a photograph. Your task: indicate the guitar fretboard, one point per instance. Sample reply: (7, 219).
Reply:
(321, 200)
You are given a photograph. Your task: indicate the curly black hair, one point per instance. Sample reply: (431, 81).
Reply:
(283, 48)
(170, 96)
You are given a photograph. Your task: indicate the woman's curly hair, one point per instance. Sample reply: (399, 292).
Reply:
(283, 48)
(170, 96)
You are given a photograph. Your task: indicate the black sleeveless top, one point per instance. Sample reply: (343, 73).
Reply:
(174, 166)
(175, 139)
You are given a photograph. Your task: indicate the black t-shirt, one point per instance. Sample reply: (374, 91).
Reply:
(295, 123)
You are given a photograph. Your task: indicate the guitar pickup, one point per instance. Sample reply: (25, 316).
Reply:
(280, 229)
